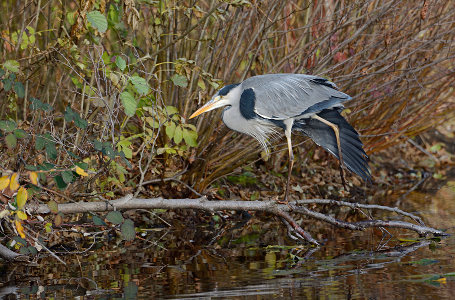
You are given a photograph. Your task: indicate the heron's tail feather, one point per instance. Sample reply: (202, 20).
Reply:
(354, 156)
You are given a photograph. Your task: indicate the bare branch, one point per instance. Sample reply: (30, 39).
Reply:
(359, 205)
(8, 254)
(272, 207)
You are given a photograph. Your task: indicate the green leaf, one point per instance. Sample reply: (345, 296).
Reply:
(128, 152)
(2, 72)
(53, 206)
(46, 167)
(20, 133)
(48, 227)
(11, 141)
(7, 125)
(97, 20)
(19, 89)
(201, 84)
(61, 184)
(31, 167)
(70, 153)
(97, 145)
(40, 142)
(108, 151)
(98, 221)
(178, 134)
(67, 176)
(170, 129)
(82, 165)
(51, 151)
(81, 123)
(152, 122)
(190, 126)
(140, 84)
(106, 58)
(20, 240)
(435, 148)
(24, 251)
(127, 229)
(438, 176)
(69, 114)
(115, 217)
(113, 15)
(190, 137)
(124, 146)
(171, 110)
(247, 178)
(114, 78)
(120, 62)
(7, 84)
(32, 250)
(36, 104)
(179, 80)
(71, 17)
(129, 103)
(77, 82)
(12, 65)
(42, 177)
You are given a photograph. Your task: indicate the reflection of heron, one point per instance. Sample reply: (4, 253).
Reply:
(309, 104)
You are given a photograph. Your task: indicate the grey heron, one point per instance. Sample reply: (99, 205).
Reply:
(260, 105)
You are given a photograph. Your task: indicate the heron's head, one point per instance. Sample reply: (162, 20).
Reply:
(220, 99)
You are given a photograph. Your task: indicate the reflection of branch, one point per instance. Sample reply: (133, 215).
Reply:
(397, 251)
(283, 211)
(8, 291)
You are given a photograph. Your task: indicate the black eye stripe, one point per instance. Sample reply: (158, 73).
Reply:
(225, 90)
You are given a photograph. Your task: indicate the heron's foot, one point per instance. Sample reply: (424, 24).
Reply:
(343, 180)
(285, 201)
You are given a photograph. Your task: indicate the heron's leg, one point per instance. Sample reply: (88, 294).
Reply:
(337, 136)
(287, 132)
(291, 164)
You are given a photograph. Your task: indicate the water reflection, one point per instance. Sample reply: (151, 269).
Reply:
(202, 263)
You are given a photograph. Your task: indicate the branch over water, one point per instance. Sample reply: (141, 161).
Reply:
(280, 210)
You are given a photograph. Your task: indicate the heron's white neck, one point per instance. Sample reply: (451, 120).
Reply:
(260, 129)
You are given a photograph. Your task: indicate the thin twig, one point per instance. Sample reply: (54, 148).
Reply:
(359, 205)
(421, 230)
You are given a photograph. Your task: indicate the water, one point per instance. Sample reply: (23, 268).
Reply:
(236, 263)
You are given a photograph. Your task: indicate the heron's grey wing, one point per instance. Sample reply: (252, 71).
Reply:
(283, 96)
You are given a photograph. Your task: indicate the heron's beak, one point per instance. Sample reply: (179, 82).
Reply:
(212, 104)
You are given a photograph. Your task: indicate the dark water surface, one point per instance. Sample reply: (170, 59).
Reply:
(351, 265)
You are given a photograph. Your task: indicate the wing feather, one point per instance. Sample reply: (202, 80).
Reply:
(283, 96)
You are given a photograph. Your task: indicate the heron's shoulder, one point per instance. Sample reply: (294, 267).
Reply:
(270, 79)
